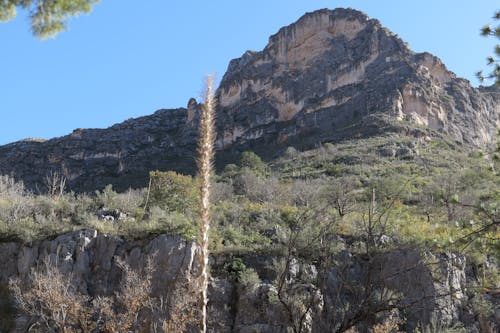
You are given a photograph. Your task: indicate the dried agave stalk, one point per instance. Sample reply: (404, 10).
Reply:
(205, 166)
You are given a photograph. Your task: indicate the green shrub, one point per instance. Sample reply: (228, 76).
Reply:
(235, 269)
(231, 170)
(333, 170)
(172, 191)
(252, 161)
(249, 278)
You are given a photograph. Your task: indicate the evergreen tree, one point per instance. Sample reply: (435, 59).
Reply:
(48, 17)
(494, 60)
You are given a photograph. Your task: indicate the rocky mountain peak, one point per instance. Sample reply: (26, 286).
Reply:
(337, 67)
(295, 46)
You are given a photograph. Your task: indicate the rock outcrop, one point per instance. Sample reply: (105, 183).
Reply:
(93, 261)
(332, 75)
(431, 288)
(121, 155)
(329, 74)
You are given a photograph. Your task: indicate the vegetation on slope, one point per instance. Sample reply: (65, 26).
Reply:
(368, 195)
(438, 193)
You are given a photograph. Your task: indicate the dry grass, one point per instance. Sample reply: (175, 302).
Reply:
(51, 304)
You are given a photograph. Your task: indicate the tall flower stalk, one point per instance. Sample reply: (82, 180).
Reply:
(205, 166)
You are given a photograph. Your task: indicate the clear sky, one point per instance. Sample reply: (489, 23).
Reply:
(129, 58)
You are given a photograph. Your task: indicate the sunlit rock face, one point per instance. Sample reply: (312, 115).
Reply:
(330, 70)
(332, 75)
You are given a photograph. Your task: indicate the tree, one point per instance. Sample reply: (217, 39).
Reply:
(308, 231)
(340, 195)
(494, 61)
(172, 191)
(48, 17)
(252, 161)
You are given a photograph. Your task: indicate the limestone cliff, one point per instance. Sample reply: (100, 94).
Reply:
(331, 75)
(92, 259)
(334, 70)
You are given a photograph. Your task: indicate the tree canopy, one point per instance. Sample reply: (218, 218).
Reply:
(48, 17)
(252, 161)
(493, 60)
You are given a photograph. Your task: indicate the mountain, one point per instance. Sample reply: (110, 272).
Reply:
(330, 76)
(332, 73)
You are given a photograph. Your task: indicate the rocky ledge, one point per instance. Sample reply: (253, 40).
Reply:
(436, 287)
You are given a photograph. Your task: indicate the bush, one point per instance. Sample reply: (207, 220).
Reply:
(52, 304)
(238, 272)
(235, 269)
(172, 191)
(333, 170)
(9, 187)
(252, 161)
(231, 170)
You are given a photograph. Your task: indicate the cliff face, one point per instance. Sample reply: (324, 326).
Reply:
(92, 261)
(325, 75)
(330, 76)
(121, 155)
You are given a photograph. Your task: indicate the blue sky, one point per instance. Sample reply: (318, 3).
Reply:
(127, 59)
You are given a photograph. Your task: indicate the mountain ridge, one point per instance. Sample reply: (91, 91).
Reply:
(330, 76)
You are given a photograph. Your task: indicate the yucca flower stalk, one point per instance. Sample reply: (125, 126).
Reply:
(205, 166)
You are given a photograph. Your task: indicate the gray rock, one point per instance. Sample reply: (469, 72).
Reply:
(434, 287)
(387, 152)
(111, 215)
(91, 260)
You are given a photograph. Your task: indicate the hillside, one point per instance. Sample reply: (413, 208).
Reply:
(372, 232)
